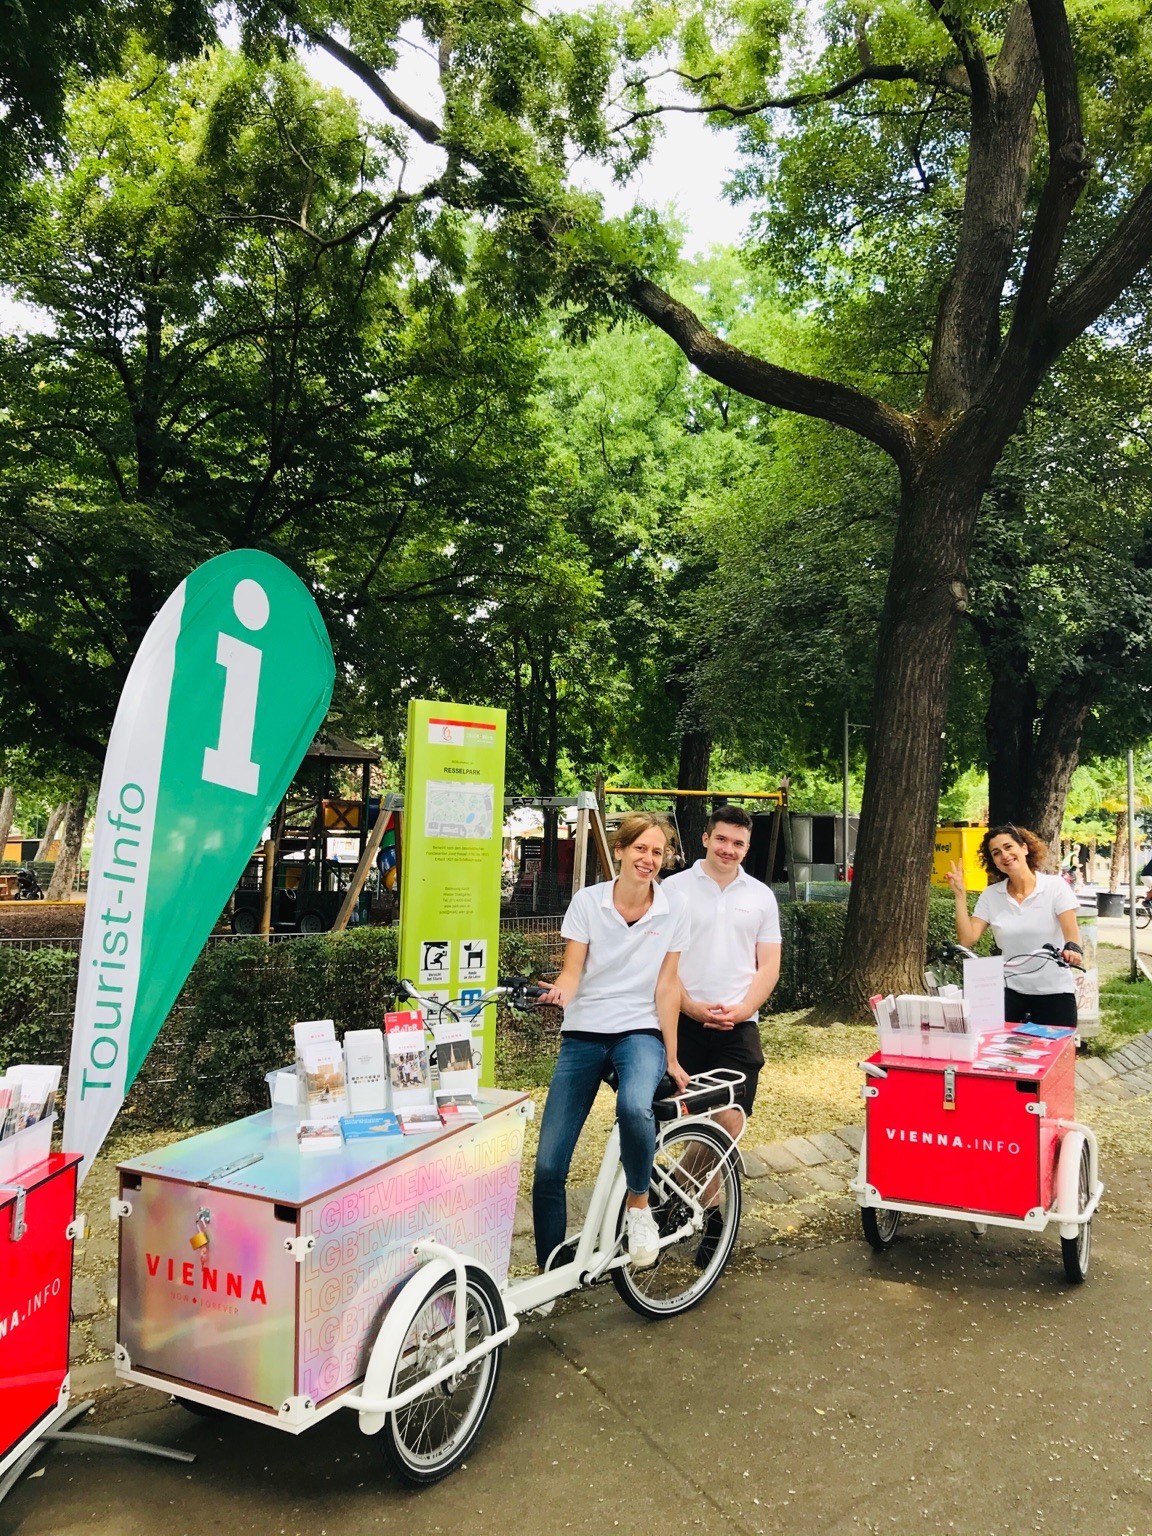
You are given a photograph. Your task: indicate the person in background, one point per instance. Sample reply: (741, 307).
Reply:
(1025, 909)
(619, 990)
(732, 962)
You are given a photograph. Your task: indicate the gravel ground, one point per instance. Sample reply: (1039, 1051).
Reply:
(41, 919)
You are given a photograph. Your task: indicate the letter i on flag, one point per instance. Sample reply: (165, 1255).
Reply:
(225, 694)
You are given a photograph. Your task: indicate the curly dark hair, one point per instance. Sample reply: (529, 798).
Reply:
(1037, 850)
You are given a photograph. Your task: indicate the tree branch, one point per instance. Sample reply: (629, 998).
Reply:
(1068, 168)
(422, 126)
(784, 388)
(1118, 262)
(975, 64)
(797, 99)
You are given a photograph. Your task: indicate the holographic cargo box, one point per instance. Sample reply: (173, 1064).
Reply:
(255, 1276)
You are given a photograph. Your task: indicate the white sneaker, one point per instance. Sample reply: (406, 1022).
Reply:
(643, 1237)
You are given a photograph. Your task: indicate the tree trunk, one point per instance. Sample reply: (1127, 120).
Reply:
(7, 812)
(1008, 727)
(692, 810)
(51, 830)
(63, 876)
(1118, 864)
(884, 940)
(1055, 758)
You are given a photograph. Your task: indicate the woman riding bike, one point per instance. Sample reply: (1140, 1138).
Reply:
(621, 997)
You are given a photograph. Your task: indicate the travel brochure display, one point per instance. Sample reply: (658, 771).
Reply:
(376, 1083)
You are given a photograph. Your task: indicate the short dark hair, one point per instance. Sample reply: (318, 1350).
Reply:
(734, 815)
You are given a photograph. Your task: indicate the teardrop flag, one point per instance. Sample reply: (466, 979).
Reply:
(228, 688)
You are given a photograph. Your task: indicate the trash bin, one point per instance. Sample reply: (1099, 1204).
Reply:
(1110, 903)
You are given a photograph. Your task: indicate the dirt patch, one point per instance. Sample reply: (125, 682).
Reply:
(41, 919)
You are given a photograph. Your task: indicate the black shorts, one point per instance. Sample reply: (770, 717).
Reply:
(699, 1049)
(1055, 1008)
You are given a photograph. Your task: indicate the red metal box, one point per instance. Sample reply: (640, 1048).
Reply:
(971, 1137)
(35, 1298)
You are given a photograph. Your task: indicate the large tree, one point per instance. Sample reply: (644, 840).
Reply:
(966, 119)
(240, 354)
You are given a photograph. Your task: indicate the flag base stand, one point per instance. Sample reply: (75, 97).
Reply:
(54, 1429)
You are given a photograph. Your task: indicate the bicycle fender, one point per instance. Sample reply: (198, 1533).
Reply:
(1068, 1181)
(386, 1350)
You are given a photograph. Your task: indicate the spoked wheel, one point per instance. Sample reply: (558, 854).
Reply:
(431, 1436)
(1077, 1251)
(880, 1225)
(695, 1167)
(1143, 914)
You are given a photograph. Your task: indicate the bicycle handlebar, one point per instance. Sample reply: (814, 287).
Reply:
(518, 990)
(1045, 952)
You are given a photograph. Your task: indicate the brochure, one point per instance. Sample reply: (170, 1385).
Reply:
(309, 1032)
(456, 1108)
(324, 1081)
(408, 1075)
(1043, 1031)
(418, 1118)
(30, 1096)
(317, 1136)
(370, 1127)
(453, 1039)
(365, 1067)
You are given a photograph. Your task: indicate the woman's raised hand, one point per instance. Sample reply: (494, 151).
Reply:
(955, 879)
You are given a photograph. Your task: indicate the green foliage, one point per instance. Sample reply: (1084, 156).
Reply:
(1125, 1010)
(36, 991)
(232, 1022)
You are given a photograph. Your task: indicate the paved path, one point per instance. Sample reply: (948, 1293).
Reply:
(951, 1385)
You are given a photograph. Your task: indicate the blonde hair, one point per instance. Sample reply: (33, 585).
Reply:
(637, 822)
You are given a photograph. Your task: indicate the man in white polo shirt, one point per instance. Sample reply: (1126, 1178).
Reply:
(732, 962)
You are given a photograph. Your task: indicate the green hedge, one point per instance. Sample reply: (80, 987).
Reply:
(232, 1021)
(813, 933)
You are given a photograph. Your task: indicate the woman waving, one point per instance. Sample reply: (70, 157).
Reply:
(1025, 909)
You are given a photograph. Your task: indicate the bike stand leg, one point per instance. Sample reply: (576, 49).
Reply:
(111, 1442)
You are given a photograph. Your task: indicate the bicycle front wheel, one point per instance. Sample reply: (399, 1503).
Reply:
(430, 1436)
(695, 1173)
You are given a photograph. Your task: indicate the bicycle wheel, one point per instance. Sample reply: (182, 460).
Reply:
(880, 1225)
(431, 1435)
(1077, 1251)
(695, 1167)
(1143, 914)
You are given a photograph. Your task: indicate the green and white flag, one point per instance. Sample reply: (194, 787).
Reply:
(226, 692)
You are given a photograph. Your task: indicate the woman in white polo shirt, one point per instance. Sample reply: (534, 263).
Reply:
(1025, 908)
(621, 999)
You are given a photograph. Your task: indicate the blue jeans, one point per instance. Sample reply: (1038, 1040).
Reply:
(580, 1069)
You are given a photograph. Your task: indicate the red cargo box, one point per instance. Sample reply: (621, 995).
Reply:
(37, 1210)
(970, 1136)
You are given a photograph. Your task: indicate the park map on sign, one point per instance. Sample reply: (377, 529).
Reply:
(458, 810)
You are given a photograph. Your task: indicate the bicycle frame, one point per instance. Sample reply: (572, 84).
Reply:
(598, 1250)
